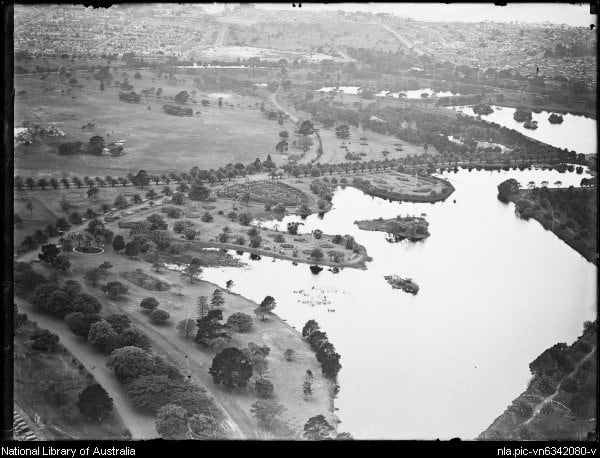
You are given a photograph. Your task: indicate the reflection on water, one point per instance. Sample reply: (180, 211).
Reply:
(495, 291)
(576, 133)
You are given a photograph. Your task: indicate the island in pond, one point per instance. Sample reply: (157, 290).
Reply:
(405, 284)
(411, 227)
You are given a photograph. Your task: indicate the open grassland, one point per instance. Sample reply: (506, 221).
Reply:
(155, 141)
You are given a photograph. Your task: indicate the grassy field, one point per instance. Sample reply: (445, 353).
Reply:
(35, 370)
(192, 360)
(160, 143)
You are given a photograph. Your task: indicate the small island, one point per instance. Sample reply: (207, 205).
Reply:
(530, 125)
(482, 109)
(523, 115)
(555, 118)
(411, 227)
(405, 284)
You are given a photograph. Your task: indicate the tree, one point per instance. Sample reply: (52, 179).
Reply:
(156, 222)
(202, 306)
(159, 316)
(178, 198)
(260, 365)
(306, 128)
(217, 299)
(186, 326)
(193, 269)
(190, 234)
(65, 204)
(266, 412)
(231, 368)
(307, 390)
(210, 329)
(171, 422)
(86, 304)
(141, 180)
(119, 322)
(129, 363)
(30, 207)
(316, 254)
(151, 392)
(198, 191)
(239, 321)
(94, 403)
(118, 243)
(132, 248)
(93, 193)
(245, 218)
(49, 253)
(44, 340)
(266, 306)
(61, 263)
(94, 275)
(80, 323)
(229, 284)
(342, 131)
(204, 427)
(289, 354)
(317, 428)
(264, 388)
(114, 289)
(508, 187)
(121, 201)
(330, 365)
(135, 338)
(182, 97)
(100, 334)
(149, 304)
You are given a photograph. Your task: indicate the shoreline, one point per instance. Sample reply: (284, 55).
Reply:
(331, 384)
(359, 264)
(514, 198)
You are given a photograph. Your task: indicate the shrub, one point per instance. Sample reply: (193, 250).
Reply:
(149, 303)
(245, 218)
(207, 217)
(44, 340)
(264, 388)
(239, 321)
(159, 316)
(94, 403)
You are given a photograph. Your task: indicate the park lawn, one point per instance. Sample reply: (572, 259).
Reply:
(46, 204)
(194, 360)
(63, 422)
(158, 142)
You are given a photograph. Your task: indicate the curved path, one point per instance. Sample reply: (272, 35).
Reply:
(140, 425)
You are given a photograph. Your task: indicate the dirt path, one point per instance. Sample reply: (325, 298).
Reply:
(408, 44)
(293, 117)
(140, 425)
(551, 397)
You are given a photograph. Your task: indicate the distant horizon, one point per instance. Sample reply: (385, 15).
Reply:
(529, 13)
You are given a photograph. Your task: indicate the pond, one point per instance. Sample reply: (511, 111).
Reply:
(576, 133)
(495, 291)
(410, 94)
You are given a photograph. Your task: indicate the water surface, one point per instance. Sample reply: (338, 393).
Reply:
(576, 133)
(495, 291)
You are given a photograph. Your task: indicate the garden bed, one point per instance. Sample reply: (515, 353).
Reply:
(88, 250)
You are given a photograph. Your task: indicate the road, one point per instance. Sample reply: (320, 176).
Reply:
(294, 118)
(406, 43)
(140, 425)
(550, 398)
